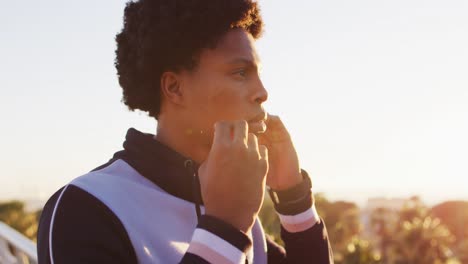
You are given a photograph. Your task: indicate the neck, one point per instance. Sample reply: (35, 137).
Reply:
(182, 139)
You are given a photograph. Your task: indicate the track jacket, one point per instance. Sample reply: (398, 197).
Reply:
(144, 206)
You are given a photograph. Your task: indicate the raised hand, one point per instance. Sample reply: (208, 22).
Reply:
(233, 177)
(284, 170)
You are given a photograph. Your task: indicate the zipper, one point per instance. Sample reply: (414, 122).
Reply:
(195, 186)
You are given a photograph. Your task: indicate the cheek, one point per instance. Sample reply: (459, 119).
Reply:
(216, 98)
(227, 99)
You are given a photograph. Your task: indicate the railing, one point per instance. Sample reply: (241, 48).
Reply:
(16, 248)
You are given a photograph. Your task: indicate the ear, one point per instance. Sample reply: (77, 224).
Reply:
(171, 87)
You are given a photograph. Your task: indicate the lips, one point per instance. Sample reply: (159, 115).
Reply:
(257, 127)
(257, 124)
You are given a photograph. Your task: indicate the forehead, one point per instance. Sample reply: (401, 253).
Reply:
(235, 46)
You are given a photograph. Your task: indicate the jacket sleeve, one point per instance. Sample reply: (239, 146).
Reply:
(302, 230)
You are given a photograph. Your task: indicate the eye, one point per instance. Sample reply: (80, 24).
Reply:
(241, 72)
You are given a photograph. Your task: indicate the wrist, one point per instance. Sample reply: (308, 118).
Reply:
(287, 182)
(242, 223)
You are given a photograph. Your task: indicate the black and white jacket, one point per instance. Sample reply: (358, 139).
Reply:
(144, 206)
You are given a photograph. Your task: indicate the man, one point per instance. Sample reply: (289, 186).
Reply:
(192, 192)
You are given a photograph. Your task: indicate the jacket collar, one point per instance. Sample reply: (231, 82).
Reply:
(160, 164)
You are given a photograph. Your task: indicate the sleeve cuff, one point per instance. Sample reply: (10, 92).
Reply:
(294, 200)
(296, 192)
(218, 242)
(299, 222)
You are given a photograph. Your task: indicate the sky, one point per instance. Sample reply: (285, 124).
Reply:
(373, 92)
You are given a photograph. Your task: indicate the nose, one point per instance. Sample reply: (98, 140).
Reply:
(261, 94)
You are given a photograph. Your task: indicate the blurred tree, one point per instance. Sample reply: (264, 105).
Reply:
(461, 251)
(454, 215)
(412, 235)
(383, 222)
(342, 220)
(13, 214)
(422, 241)
(358, 251)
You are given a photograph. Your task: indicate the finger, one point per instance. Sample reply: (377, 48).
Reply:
(240, 131)
(222, 133)
(276, 131)
(263, 139)
(274, 121)
(253, 143)
(263, 151)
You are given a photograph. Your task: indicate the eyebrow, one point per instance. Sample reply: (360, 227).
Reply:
(248, 62)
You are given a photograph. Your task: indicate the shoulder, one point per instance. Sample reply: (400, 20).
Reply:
(74, 223)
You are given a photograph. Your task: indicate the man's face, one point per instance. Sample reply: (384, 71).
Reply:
(225, 85)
